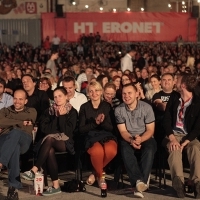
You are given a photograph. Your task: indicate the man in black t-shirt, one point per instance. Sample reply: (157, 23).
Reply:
(161, 98)
(159, 101)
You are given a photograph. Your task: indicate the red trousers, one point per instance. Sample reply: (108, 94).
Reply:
(101, 155)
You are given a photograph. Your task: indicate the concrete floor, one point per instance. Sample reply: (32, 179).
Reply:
(93, 192)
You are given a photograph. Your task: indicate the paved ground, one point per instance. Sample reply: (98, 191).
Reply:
(93, 192)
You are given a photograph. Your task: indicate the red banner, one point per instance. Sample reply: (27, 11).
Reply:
(127, 26)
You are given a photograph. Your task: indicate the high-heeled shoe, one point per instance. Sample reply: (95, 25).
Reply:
(91, 179)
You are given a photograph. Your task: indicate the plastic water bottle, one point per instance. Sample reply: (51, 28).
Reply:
(103, 186)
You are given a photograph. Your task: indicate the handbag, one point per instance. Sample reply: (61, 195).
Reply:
(74, 186)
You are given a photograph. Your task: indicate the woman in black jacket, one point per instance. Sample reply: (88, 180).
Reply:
(95, 121)
(58, 123)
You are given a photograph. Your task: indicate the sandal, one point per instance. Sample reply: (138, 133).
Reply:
(91, 179)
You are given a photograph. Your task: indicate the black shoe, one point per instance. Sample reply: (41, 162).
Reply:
(197, 190)
(178, 185)
(12, 194)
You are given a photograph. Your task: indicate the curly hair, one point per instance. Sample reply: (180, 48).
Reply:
(189, 80)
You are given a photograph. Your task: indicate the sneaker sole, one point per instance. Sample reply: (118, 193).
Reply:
(26, 178)
(51, 194)
(141, 187)
(138, 194)
(179, 187)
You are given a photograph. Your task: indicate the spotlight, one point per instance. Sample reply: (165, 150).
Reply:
(74, 3)
(101, 8)
(142, 9)
(86, 6)
(128, 9)
(169, 5)
(114, 9)
(183, 2)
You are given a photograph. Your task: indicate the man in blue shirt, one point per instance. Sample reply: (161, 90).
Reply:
(6, 100)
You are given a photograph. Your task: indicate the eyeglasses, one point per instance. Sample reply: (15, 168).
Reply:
(43, 83)
(125, 79)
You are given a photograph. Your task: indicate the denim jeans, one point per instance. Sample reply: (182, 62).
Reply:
(12, 144)
(138, 171)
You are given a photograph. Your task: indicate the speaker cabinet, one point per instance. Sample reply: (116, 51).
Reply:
(59, 10)
(195, 11)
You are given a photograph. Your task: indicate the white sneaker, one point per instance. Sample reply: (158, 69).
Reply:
(141, 186)
(138, 194)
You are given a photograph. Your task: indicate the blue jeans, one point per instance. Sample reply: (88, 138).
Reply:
(138, 171)
(12, 144)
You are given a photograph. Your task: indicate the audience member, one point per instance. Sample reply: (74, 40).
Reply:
(126, 61)
(16, 125)
(95, 121)
(75, 98)
(6, 100)
(58, 123)
(135, 121)
(182, 124)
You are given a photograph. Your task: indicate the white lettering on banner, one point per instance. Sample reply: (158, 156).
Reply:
(127, 27)
(116, 27)
(82, 27)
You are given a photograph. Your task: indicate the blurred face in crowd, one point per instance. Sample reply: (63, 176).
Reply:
(129, 95)
(70, 88)
(125, 80)
(60, 98)
(167, 83)
(109, 94)
(43, 85)
(144, 74)
(28, 83)
(28, 71)
(9, 75)
(104, 81)
(19, 100)
(1, 89)
(117, 82)
(88, 71)
(119, 73)
(155, 83)
(171, 69)
(54, 56)
(179, 84)
(113, 73)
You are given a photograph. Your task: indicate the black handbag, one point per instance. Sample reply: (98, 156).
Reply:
(74, 186)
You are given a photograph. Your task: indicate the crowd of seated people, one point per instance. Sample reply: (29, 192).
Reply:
(119, 108)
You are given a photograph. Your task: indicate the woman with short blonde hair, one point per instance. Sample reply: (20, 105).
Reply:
(95, 121)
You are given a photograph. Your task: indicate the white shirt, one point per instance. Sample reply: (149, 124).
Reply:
(56, 40)
(126, 63)
(6, 101)
(81, 78)
(78, 100)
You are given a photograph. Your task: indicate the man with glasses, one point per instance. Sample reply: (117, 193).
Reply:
(135, 121)
(182, 127)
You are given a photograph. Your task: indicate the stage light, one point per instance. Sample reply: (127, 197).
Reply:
(101, 8)
(142, 9)
(183, 2)
(169, 5)
(114, 9)
(86, 6)
(74, 3)
(128, 9)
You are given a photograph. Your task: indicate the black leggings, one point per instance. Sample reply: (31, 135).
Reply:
(46, 156)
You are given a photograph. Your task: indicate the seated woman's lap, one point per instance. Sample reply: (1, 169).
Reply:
(101, 155)
(57, 145)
